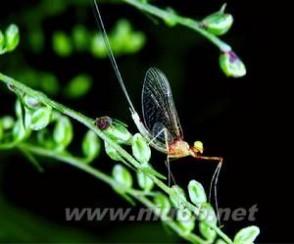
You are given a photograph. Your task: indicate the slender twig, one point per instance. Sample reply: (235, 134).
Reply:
(78, 163)
(180, 20)
(90, 123)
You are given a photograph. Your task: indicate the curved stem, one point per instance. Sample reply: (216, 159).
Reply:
(177, 19)
(78, 163)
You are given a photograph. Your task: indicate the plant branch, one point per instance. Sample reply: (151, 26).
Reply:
(78, 163)
(90, 123)
(180, 20)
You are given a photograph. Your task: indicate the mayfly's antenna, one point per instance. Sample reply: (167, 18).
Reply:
(111, 56)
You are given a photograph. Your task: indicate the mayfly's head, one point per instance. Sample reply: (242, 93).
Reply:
(197, 148)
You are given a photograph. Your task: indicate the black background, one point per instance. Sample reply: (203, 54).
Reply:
(241, 119)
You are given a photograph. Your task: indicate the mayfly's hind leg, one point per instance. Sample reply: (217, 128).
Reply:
(167, 161)
(214, 180)
(213, 186)
(171, 177)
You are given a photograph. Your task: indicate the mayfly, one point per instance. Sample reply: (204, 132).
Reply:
(161, 126)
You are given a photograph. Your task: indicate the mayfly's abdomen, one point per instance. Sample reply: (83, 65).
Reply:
(145, 133)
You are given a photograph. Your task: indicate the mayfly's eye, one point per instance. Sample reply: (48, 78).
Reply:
(103, 122)
(198, 147)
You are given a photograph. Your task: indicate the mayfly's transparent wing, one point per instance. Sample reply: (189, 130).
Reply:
(159, 111)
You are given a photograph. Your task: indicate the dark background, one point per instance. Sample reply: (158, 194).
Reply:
(239, 119)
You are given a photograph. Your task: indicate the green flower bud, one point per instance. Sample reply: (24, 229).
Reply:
(40, 118)
(12, 37)
(207, 214)
(140, 148)
(177, 196)
(218, 23)
(135, 43)
(163, 204)
(62, 44)
(186, 220)
(145, 182)
(231, 65)
(122, 177)
(196, 193)
(98, 48)
(63, 132)
(81, 37)
(78, 86)
(207, 232)
(91, 145)
(120, 38)
(247, 235)
(112, 153)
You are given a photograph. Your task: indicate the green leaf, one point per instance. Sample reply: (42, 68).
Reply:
(63, 132)
(137, 41)
(1, 130)
(232, 65)
(2, 42)
(31, 102)
(98, 48)
(18, 109)
(218, 23)
(177, 196)
(45, 139)
(122, 177)
(121, 35)
(111, 152)
(49, 83)
(171, 18)
(162, 203)
(18, 131)
(207, 232)
(145, 182)
(62, 44)
(207, 214)
(40, 118)
(118, 132)
(78, 86)
(247, 235)
(7, 122)
(140, 148)
(12, 37)
(186, 220)
(196, 193)
(81, 37)
(91, 145)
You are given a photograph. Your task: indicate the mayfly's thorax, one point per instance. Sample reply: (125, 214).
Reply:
(179, 149)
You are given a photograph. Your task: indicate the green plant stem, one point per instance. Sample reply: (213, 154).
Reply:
(78, 163)
(90, 123)
(177, 19)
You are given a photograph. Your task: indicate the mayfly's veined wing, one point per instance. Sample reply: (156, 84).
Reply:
(159, 111)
